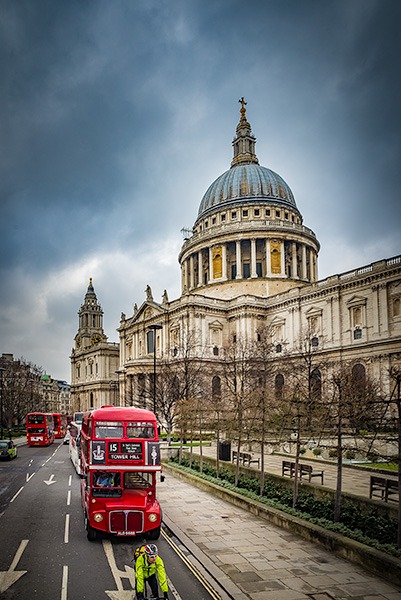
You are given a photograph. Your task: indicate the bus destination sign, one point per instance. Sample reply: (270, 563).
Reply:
(125, 451)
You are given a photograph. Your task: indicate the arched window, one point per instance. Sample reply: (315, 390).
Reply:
(216, 388)
(397, 307)
(278, 386)
(176, 388)
(316, 385)
(358, 377)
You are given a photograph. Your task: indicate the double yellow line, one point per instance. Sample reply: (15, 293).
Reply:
(191, 567)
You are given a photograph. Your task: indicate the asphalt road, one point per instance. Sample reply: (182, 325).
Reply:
(44, 552)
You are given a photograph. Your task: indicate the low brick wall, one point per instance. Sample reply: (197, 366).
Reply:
(376, 562)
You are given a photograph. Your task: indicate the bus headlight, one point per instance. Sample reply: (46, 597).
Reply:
(152, 517)
(98, 517)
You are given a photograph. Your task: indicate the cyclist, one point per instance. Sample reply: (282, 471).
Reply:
(149, 567)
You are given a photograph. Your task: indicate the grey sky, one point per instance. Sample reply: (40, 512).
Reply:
(116, 117)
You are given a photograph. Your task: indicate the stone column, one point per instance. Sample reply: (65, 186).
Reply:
(304, 274)
(224, 261)
(253, 258)
(294, 261)
(200, 268)
(191, 272)
(268, 261)
(238, 259)
(210, 265)
(311, 266)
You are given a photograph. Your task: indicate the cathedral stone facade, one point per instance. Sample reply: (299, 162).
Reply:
(94, 360)
(249, 262)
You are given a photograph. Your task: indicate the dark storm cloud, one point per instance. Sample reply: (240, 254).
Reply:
(116, 116)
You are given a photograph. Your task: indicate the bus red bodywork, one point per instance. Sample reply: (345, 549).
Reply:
(120, 444)
(59, 429)
(39, 429)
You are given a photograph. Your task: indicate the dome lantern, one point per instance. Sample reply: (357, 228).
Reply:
(244, 142)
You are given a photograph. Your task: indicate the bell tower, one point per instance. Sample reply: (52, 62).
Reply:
(90, 329)
(94, 360)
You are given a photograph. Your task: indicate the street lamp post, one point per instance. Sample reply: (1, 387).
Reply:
(154, 328)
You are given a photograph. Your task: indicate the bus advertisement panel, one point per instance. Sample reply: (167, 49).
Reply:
(74, 445)
(39, 429)
(120, 461)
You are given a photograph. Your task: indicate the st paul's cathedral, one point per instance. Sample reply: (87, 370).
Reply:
(248, 263)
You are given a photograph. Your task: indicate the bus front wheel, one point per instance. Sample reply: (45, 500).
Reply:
(153, 534)
(91, 533)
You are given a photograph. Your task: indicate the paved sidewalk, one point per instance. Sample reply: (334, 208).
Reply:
(254, 559)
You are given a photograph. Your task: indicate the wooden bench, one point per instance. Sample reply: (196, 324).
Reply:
(308, 471)
(245, 458)
(288, 468)
(385, 488)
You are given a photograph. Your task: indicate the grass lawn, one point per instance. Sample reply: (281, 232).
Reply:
(382, 465)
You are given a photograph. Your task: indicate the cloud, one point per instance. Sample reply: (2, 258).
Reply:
(116, 118)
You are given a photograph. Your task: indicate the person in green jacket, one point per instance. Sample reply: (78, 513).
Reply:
(149, 567)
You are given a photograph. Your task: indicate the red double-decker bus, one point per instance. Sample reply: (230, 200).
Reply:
(39, 429)
(59, 429)
(120, 461)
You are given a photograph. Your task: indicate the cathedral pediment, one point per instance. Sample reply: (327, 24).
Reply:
(149, 310)
(356, 301)
(314, 311)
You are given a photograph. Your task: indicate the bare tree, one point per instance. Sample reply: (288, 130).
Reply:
(266, 407)
(395, 402)
(355, 405)
(179, 382)
(21, 391)
(302, 406)
(238, 371)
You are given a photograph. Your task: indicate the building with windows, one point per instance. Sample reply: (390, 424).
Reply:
(94, 360)
(249, 262)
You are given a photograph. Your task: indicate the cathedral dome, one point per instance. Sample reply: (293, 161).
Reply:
(247, 183)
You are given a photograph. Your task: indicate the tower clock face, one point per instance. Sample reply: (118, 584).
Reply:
(96, 339)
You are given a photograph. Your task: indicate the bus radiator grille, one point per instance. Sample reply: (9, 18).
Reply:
(126, 520)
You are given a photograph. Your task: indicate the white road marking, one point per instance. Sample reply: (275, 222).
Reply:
(69, 481)
(67, 528)
(50, 480)
(69, 498)
(7, 578)
(28, 477)
(15, 495)
(64, 583)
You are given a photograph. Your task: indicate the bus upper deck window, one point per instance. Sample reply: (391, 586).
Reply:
(108, 429)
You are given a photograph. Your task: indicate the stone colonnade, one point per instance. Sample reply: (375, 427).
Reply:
(249, 258)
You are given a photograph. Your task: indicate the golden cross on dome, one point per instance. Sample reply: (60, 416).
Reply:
(243, 109)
